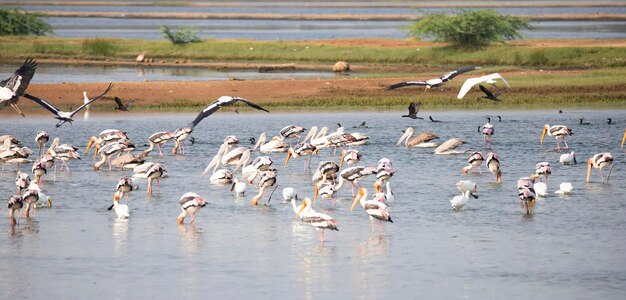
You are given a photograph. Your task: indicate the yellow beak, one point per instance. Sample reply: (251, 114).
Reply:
(302, 206)
(343, 155)
(499, 177)
(543, 135)
(357, 198)
(377, 187)
(91, 140)
(288, 157)
(317, 190)
(49, 202)
(624, 138)
(589, 164)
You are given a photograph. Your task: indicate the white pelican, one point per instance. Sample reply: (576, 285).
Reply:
(290, 194)
(557, 131)
(13, 87)
(291, 131)
(64, 116)
(159, 139)
(376, 209)
(350, 157)
(543, 170)
(487, 132)
(475, 159)
(267, 179)
(22, 181)
(316, 138)
(301, 149)
(238, 157)
(128, 161)
(180, 136)
(39, 170)
(318, 220)
(190, 203)
(599, 161)
(42, 139)
(221, 176)
(491, 79)
(526, 193)
(565, 188)
(106, 152)
(275, 145)
(15, 203)
(541, 189)
(568, 158)
(458, 202)
(431, 83)
(239, 187)
(467, 185)
(219, 103)
(422, 140)
(414, 108)
(353, 174)
(124, 187)
(121, 210)
(326, 170)
(63, 152)
(493, 164)
(449, 146)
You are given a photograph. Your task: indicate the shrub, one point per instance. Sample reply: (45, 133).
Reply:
(184, 35)
(98, 46)
(469, 28)
(16, 22)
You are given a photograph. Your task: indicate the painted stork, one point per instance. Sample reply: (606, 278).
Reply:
(292, 131)
(219, 103)
(493, 164)
(557, 131)
(42, 139)
(543, 170)
(190, 203)
(14, 204)
(13, 87)
(158, 139)
(353, 174)
(599, 161)
(267, 179)
(318, 220)
(432, 83)
(487, 131)
(301, 149)
(350, 157)
(475, 159)
(527, 194)
(376, 209)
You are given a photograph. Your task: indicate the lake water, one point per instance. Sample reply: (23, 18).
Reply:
(571, 248)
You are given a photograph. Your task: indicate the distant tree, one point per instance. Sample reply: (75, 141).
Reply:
(470, 28)
(18, 22)
(184, 35)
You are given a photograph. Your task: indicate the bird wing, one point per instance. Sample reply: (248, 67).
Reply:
(412, 110)
(251, 104)
(470, 82)
(21, 77)
(403, 84)
(454, 73)
(92, 100)
(499, 92)
(53, 109)
(118, 101)
(207, 111)
(486, 91)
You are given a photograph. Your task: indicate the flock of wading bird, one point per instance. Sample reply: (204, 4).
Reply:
(327, 179)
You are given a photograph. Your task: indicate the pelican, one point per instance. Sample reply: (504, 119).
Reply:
(180, 136)
(39, 170)
(190, 203)
(449, 146)
(64, 116)
(568, 158)
(325, 170)
(13, 87)
(238, 157)
(290, 194)
(361, 139)
(239, 187)
(318, 220)
(267, 179)
(350, 157)
(316, 138)
(599, 161)
(121, 210)
(353, 174)
(222, 176)
(128, 161)
(493, 164)
(541, 189)
(491, 79)
(63, 152)
(487, 131)
(219, 103)
(22, 181)
(159, 139)
(42, 139)
(106, 152)
(291, 131)
(542, 170)
(124, 187)
(565, 188)
(458, 202)
(475, 159)
(431, 83)
(376, 209)
(422, 140)
(557, 131)
(275, 145)
(15, 203)
(526, 193)
(301, 149)
(414, 108)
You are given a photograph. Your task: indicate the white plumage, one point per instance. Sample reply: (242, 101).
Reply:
(565, 188)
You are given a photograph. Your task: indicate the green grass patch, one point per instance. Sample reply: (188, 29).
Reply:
(98, 47)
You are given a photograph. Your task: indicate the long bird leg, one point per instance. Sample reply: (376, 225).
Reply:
(149, 186)
(558, 146)
(160, 151)
(373, 226)
(565, 141)
(193, 217)
(380, 226)
(320, 233)
(601, 175)
(158, 185)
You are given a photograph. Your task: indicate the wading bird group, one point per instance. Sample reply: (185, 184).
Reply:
(234, 164)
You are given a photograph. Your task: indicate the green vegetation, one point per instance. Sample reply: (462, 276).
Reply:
(469, 28)
(98, 47)
(312, 52)
(184, 35)
(17, 22)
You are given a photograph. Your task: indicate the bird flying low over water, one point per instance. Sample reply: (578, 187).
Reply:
(13, 87)
(431, 83)
(414, 108)
(63, 116)
(219, 103)
(491, 79)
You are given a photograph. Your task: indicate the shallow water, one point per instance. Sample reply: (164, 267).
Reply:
(571, 248)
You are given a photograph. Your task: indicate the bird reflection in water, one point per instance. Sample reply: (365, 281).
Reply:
(120, 236)
(189, 235)
(26, 226)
